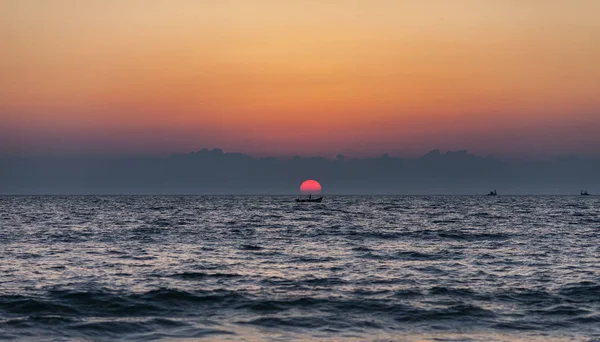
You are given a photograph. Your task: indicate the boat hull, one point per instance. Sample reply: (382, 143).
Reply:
(315, 200)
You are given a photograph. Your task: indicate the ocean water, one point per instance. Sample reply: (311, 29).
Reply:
(266, 268)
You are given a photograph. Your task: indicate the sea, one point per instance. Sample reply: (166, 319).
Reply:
(265, 268)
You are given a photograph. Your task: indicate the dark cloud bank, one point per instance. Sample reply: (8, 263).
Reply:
(215, 172)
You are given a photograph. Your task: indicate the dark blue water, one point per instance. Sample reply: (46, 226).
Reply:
(266, 268)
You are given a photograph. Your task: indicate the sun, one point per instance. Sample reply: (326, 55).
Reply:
(310, 187)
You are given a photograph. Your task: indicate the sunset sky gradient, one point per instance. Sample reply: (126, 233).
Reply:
(308, 77)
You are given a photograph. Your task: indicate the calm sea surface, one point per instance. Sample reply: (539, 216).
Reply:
(266, 268)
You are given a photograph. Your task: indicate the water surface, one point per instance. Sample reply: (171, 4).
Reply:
(265, 268)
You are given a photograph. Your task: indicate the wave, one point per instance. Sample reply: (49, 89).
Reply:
(93, 313)
(140, 329)
(449, 313)
(449, 291)
(180, 297)
(34, 306)
(202, 275)
(408, 255)
(475, 236)
(104, 303)
(583, 292)
(251, 248)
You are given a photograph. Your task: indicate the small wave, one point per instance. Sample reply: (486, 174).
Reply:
(452, 312)
(446, 221)
(323, 281)
(375, 256)
(561, 310)
(483, 214)
(161, 223)
(448, 291)
(67, 237)
(262, 306)
(310, 259)
(588, 220)
(33, 321)
(515, 326)
(297, 322)
(29, 256)
(143, 330)
(407, 293)
(168, 296)
(251, 248)
(34, 306)
(112, 328)
(280, 305)
(149, 230)
(373, 234)
(329, 324)
(587, 319)
(413, 255)
(102, 303)
(487, 215)
(362, 249)
(394, 208)
(304, 219)
(527, 296)
(581, 292)
(202, 275)
(474, 236)
(159, 208)
(408, 256)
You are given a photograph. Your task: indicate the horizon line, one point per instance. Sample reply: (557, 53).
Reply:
(282, 195)
(333, 156)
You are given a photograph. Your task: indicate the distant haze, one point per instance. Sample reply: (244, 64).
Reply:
(216, 172)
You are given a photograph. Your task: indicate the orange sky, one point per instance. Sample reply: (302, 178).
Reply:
(272, 77)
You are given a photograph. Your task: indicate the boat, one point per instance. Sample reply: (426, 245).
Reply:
(310, 199)
(493, 193)
(316, 200)
(584, 193)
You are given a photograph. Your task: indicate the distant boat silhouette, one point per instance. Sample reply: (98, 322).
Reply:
(493, 193)
(310, 199)
(584, 193)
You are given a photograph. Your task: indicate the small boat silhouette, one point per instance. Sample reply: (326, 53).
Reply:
(493, 193)
(318, 200)
(584, 193)
(310, 199)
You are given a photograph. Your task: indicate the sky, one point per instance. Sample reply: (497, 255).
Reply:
(308, 77)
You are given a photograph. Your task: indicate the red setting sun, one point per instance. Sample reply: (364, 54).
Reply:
(310, 187)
